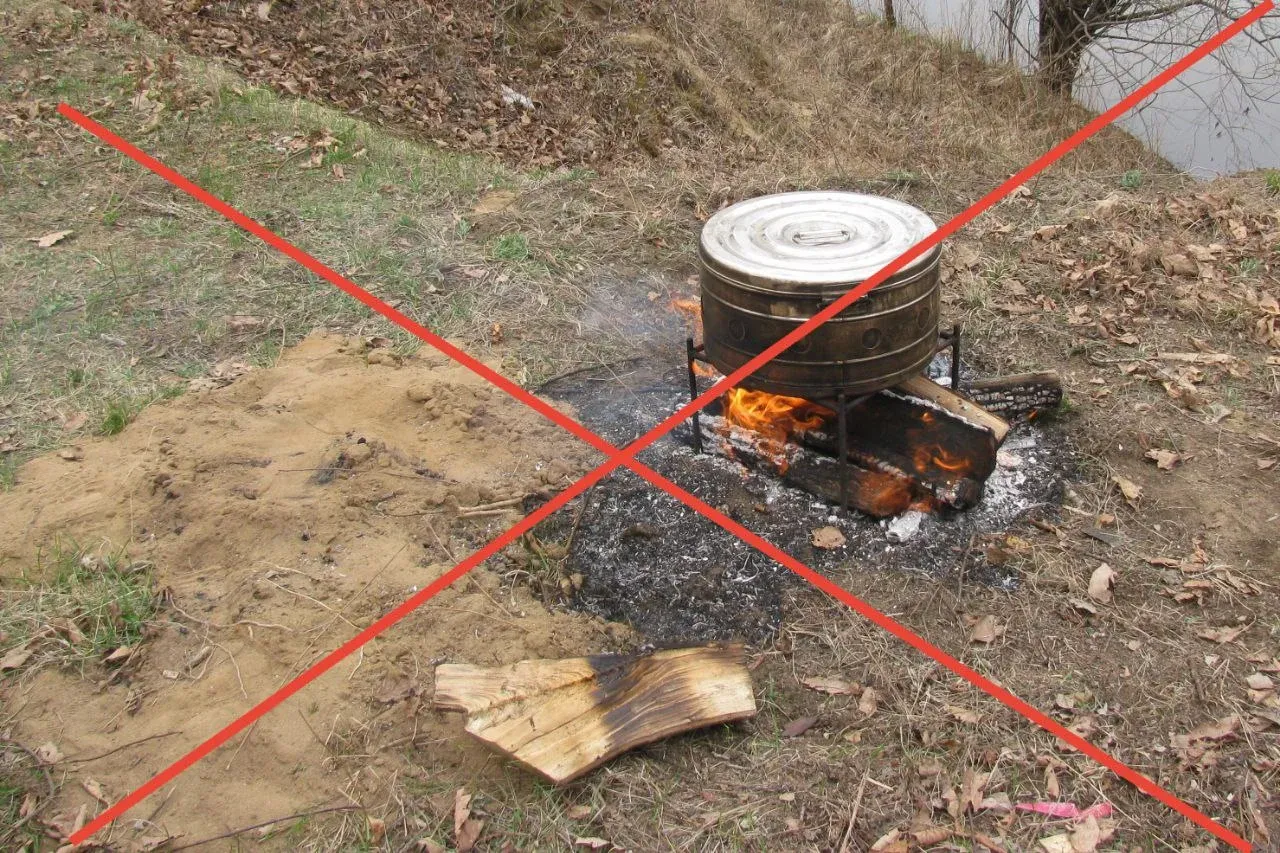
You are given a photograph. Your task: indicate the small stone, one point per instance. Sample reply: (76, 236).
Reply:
(382, 356)
(358, 453)
(420, 393)
(905, 526)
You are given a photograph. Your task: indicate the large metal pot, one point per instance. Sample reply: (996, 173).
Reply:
(772, 262)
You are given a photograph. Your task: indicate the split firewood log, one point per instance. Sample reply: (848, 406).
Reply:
(562, 718)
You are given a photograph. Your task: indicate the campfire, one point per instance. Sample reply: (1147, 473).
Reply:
(775, 419)
(848, 414)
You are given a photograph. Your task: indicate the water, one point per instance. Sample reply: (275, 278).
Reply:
(1220, 117)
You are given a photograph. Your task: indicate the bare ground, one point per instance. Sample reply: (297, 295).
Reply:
(1155, 299)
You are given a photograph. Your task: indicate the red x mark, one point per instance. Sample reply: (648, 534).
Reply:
(627, 455)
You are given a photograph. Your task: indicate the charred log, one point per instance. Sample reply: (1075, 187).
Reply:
(1023, 395)
(929, 450)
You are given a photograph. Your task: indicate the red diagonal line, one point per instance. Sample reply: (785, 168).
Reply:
(981, 206)
(339, 281)
(992, 688)
(624, 456)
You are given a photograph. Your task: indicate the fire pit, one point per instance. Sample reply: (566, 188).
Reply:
(853, 391)
(889, 435)
(646, 559)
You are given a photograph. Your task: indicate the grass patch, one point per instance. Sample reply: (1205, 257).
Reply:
(106, 332)
(511, 247)
(1250, 267)
(1273, 182)
(76, 607)
(116, 416)
(18, 778)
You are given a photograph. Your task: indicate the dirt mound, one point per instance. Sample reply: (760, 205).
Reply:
(278, 514)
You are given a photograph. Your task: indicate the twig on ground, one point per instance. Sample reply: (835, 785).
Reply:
(440, 542)
(122, 746)
(588, 367)
(240, 745)
(232, 833)
(853, 815)
(484, 513)
(236, 666)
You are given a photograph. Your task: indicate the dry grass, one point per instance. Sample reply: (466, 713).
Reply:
(774, 97)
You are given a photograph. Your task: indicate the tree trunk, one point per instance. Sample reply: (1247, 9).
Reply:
(890, 17)
(1063, 36)
(1066, 28)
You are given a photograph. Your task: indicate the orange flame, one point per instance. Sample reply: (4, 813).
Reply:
(939, 457)
(692, 310)
(774, 417)
(706, 370)
(882, 495)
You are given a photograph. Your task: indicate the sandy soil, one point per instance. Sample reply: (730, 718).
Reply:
(280, 512)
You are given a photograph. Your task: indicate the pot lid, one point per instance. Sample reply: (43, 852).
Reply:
(813, 238)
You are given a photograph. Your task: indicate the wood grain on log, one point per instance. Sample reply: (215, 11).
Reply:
(562, 718)
(924, 388)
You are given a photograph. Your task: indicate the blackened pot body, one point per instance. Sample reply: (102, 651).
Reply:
(772, 262)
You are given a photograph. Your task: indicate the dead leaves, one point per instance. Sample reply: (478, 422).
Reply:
(1262, 693)
(1179, 265)
(1223, 634)
(1197, 748)
(466, 829)
(494, 201)
(15, 658)
(827, 538)
(1085, 838)
(48, 754)
(868, 702)
(50, 239)
(1101, 583)
(963, 715)
(1165, 460)
(222, 374)
(1131, 491)
(94, 789)
(831, 686)
(798, 726)
(1260, 682)
(986, 630)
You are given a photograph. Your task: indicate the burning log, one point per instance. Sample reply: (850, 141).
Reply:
(964, 408)
(562, 718)
(1017, 396)
(915, 446)
(945, 456)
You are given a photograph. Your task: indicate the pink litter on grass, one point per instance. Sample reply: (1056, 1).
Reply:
(1068, 811)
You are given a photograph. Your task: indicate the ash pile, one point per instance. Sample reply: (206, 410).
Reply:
(676, 577)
